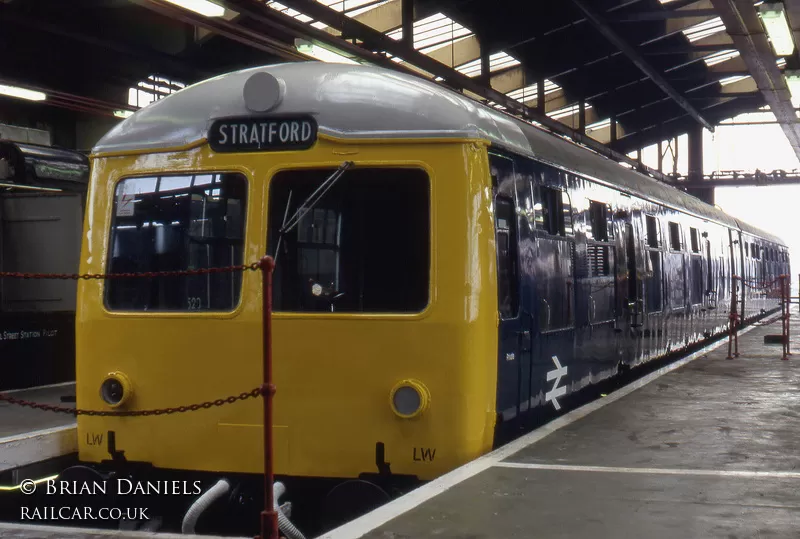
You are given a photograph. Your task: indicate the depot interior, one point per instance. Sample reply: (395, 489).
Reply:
(643, 82)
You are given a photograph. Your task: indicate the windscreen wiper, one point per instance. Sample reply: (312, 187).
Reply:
(315, 197)
(309, 203)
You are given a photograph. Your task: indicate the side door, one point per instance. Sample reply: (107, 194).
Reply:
(629, 286)
(513, 362)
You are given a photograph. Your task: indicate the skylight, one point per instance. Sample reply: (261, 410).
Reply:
(704, 29)
(152, 89)
(434, 32)
(730, 80)
(719, 57)
(351, 8)
(598, 125)
(295, 14)
(497, 61)
(567, 111)
(529, 93)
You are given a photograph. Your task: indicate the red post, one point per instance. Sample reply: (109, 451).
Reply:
(269, 518)
(788, 308)
(732, 319)
(785, 316)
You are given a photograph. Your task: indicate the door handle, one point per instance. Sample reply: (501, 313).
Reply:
(525, 340)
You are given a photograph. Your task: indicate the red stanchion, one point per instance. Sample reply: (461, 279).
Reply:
(785, 316)
(733, 319)
(269, 517)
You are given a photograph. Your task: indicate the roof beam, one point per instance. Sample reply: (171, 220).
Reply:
(378, 41)
(662, 15)
(744, 26)
(660, 130)
(602, 26)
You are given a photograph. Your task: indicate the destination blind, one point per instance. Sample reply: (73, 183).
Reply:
(262, 134)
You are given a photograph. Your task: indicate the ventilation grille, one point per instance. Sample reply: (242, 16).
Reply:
(598, 260)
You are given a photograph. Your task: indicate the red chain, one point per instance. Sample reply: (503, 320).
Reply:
(759, 286)
(261, 390)
(150, 274)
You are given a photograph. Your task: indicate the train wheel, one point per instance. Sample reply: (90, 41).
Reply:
(351, 499)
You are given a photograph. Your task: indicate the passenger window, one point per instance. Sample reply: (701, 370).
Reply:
(746, 250)
(551, 211)
(653, 233)
(600, 220)
(695, 239)
(506, 257)
(675, 236)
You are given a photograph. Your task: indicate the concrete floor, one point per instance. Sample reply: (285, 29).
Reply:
(709, 450)
(17, 420)
(57, 532)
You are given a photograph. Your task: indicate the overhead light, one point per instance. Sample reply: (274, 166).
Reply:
(793, 82)
(22, 93)
(773, 15)
(123, 113)
(321, 53)
(203, 7)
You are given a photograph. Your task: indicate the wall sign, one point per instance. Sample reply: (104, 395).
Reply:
(248, 134)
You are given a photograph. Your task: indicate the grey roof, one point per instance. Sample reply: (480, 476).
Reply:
(358, 101)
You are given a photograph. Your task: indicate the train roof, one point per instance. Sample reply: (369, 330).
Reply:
(362, 102)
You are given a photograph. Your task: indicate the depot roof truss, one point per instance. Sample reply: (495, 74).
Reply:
(705, 76)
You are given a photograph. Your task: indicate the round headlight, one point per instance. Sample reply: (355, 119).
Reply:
(409, 398)
(115, 389)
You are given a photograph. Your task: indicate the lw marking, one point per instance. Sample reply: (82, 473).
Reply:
(94, 439)
(426, 454)
(556, 374)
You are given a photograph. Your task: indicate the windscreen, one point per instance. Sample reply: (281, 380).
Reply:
(362, 247)
(177, 222)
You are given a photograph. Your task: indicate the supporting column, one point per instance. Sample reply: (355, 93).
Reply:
(613, 128)
(540, 96)
(582, 117)
(706, 194)
(407, 14)
(486, 66)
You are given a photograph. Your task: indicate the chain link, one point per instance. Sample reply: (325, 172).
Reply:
(756, 285)
(147, 275)
(256, 392)
(259, 391)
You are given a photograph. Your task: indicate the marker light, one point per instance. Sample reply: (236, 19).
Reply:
(115, 389)
(773, 15)
(409, 398)
(203, 7)
(22, 93)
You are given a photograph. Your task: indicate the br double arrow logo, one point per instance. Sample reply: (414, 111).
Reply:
(556, 374)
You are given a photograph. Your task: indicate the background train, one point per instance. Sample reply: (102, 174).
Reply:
(42, 194)
(443, 270)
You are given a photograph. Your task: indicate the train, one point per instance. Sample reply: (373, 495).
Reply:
(443, 271)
